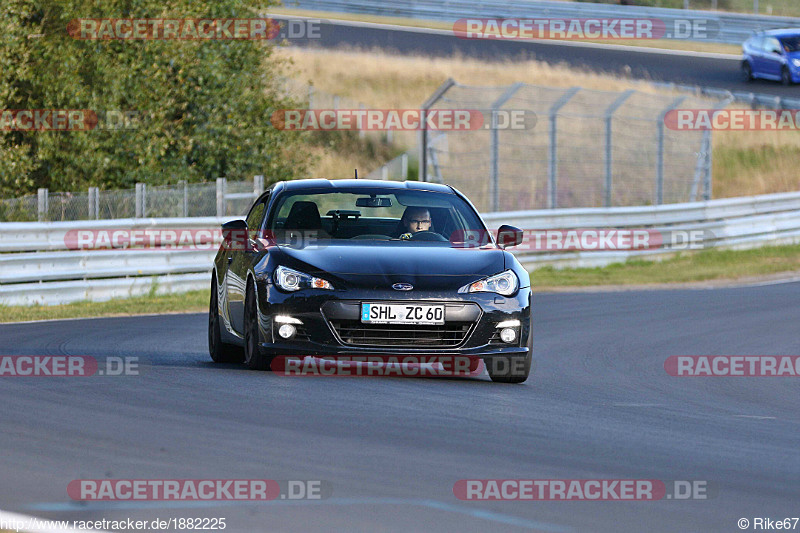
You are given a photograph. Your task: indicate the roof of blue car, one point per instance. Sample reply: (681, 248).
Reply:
(372, 184)
(786, 32)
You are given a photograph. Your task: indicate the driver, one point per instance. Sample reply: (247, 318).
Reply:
(415, 219)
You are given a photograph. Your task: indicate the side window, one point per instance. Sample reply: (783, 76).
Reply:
(255, 217)
(771, 45)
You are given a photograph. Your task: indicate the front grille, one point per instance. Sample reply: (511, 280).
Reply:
(354, 333)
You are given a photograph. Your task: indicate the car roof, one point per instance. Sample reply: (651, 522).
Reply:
(786, 32)
(297, 185)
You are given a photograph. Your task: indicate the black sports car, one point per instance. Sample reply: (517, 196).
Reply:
(348, 267)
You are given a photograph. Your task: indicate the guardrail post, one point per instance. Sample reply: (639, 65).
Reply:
(608, 117)
(258, 185)
(423, 140)
(404, 166)
(141, 200)
(494, 182)
(660, 155)
(221, 186)
(43, 202)
(552, 181)
(94, 203)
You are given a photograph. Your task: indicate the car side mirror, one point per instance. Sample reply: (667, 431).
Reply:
(508, 236)
(234, 235)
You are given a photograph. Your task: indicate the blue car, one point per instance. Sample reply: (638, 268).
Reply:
(772, 55)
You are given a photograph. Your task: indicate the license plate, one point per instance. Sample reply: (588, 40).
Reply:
(418, 314)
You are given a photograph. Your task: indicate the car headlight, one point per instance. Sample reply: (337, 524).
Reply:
(292, 280)
(505, 283)
(796, 62)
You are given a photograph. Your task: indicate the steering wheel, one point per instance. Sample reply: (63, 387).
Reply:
(427, 235)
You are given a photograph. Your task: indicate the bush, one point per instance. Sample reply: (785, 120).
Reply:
(202, 106)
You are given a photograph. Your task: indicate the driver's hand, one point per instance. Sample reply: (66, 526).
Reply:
(405, 237)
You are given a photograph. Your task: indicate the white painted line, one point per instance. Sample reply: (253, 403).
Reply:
(756, 417)
(32, 524)
(552, 42)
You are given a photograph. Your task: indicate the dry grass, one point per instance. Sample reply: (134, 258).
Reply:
(745, 163)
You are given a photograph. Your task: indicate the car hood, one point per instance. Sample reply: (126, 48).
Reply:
(380, 264)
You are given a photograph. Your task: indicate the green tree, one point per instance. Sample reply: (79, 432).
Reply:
(202, 106)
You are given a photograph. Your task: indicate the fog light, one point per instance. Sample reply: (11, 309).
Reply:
(287, 331)
(508, 335)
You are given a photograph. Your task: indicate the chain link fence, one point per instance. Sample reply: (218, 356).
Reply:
(575, 148)
(223, 198)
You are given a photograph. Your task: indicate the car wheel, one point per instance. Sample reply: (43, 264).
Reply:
(254, 356)
(786, 76)
(511, 369)
(219, 351)
(747, 72)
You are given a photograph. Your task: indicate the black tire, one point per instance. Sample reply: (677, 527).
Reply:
(219, 351)
(254, 356)
(747, 72)
(786, 77)
(511, 369)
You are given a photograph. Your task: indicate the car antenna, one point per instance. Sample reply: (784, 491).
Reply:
(356, 171)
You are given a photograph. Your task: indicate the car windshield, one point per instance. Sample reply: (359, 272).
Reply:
(791, 43)
(370, 214)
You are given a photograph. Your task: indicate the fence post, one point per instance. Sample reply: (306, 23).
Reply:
(660, 155)
(385, 172)
(608, 117)
(42, 204)
(423, 141)
(258, 185)
(404, 166)
(494, 182)
(141, 200)
(552, 182)
(185, 197)
(311, 97)
(221, 186)
(94, 203)
(361, 132)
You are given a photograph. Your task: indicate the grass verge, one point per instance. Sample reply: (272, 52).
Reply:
(187, 302)
(686, 267)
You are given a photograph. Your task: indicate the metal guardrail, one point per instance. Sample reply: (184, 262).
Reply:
(54, 275)
(733, 28)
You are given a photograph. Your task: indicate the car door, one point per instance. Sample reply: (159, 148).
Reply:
(240, 259)
(755, 52)
(773, 58)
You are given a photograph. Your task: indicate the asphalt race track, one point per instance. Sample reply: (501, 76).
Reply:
(600, 406)
(706, 70)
